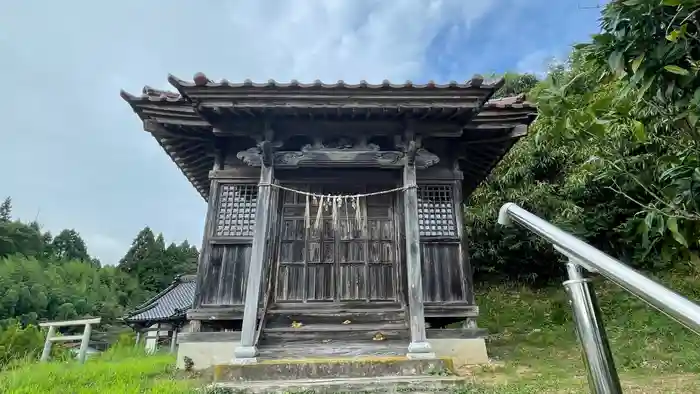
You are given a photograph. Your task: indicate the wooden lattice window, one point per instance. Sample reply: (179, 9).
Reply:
(436, 215)
(236, 213)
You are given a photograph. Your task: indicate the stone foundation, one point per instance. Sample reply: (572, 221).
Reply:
(382, 384)
(361, 367)
(207, 349)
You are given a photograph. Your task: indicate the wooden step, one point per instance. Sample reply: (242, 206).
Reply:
(279, 317)
(313, 348)
(322, 332)
(339, 327)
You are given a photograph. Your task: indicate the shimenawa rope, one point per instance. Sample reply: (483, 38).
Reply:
(334, 202)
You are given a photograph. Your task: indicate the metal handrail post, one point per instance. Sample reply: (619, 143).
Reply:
(602, 374)
(668, 302)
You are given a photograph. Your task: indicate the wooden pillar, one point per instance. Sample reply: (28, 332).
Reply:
(465, 264)
(46, 353)
(419, 346)
(247, 350)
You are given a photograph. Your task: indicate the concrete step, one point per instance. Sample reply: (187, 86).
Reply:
(386, 384)
(326, 368)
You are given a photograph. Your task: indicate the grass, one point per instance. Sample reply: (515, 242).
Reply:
(536, 351)
(532, 343)
(120, 371)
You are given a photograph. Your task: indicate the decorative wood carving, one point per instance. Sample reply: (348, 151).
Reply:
(341, 154)
(264, 151)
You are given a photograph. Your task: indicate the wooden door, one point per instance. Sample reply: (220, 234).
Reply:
(340, 261)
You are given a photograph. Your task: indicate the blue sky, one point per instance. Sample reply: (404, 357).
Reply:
(73, 154)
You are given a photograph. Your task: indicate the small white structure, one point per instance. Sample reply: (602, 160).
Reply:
(153, 334)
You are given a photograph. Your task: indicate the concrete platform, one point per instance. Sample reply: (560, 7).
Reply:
(385, 384)
(206, 349)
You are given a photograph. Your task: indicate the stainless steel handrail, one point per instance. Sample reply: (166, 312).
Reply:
(601, 369)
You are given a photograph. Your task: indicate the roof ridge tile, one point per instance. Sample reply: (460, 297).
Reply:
(201, 80)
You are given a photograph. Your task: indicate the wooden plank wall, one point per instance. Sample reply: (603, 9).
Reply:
(442, 274)
(226, 275)
(225, 268)
(316, 276)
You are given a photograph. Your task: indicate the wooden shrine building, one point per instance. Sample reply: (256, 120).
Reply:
(334, 222)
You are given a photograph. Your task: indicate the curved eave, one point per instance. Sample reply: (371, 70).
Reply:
(490, 135)
(481, 161)
(179, 130)
(181, 122)
(193, 159)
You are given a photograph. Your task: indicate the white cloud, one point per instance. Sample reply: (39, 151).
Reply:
(104, 245)
(91, 165)
(538, 62)
(330, 40)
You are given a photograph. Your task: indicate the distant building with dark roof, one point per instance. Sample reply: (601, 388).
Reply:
(165, 314)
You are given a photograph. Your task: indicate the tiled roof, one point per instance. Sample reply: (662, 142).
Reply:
(171, 303)
(151, 94)
(184, 122)
(202, 80)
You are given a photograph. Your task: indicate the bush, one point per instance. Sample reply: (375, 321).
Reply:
(19, 344)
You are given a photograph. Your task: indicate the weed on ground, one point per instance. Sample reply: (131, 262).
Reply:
(532, 344)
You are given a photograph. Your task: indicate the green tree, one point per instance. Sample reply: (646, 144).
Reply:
(31, 290)
(612, 156)
(19, 238)
(139, 251)
(652, 50)
(47, 278)
(6, 210)
(69, 245)
(515, 84)
(179, 260)
(153, 264)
